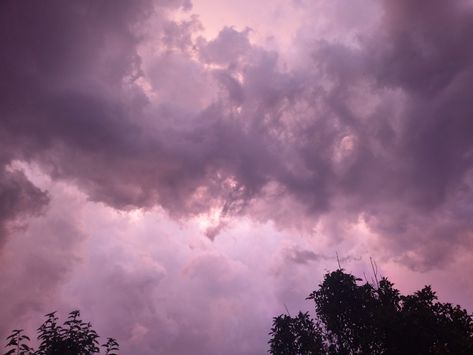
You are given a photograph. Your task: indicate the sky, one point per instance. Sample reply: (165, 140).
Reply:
(183, 171)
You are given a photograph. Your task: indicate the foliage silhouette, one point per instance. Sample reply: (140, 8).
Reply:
(74, 337)
(360, 318)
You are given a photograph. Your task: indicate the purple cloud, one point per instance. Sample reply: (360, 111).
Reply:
(356, 123)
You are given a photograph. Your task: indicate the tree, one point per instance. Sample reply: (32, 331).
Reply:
(354, 318)
(74, 337)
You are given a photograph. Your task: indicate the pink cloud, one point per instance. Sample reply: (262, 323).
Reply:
(124, 126)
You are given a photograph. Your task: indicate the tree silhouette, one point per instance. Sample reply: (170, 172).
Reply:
(360, 318)
(74, 337)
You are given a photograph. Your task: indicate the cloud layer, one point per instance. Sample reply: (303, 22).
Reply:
(356, 121)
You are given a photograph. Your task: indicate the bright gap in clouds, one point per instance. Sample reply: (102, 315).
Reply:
(270, 21)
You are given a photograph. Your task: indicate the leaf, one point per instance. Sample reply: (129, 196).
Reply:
(25, 347)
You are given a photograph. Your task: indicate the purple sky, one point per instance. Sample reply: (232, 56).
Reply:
(180, 171)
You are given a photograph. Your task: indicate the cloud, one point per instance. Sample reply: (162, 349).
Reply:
(38, 260)
(19, 199)
(363, 120)
(204, 124)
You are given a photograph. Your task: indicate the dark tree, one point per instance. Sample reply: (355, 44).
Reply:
(360, 318)
(74, 337)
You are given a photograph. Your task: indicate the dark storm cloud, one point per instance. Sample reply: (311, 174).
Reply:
(19, 198)
(424, 51)
(424, 46)
(302, 256)
(391, 134)
(64, 68)
(381, 129)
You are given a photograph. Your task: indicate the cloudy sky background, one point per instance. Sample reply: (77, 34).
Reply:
(182, 171)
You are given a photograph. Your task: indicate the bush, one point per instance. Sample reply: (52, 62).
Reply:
(74, 337)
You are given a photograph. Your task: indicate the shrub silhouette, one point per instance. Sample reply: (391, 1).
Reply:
(74, 337)
(360, 318)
